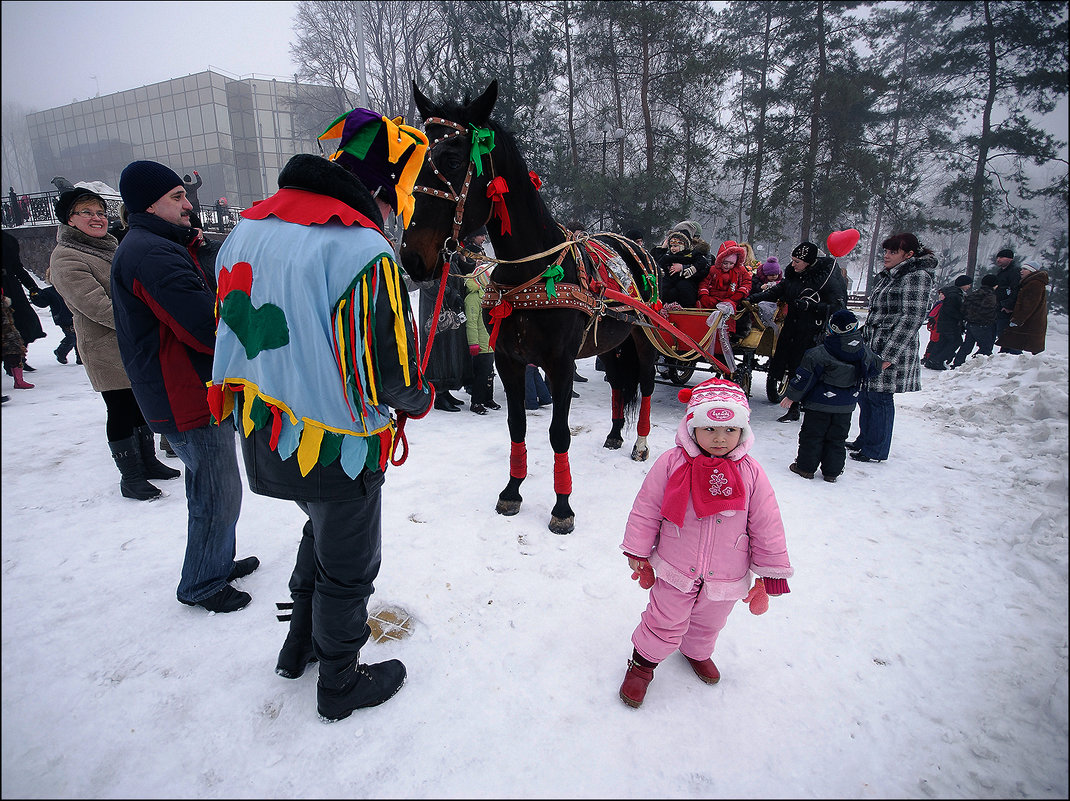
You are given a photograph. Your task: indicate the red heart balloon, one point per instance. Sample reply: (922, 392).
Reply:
(840, 243)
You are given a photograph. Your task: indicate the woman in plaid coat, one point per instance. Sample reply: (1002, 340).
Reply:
(898, 305)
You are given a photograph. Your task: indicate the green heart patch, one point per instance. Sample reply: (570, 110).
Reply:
(257, 328)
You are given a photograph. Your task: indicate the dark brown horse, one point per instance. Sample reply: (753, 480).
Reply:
(578, 315)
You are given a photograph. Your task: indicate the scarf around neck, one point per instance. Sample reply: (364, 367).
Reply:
(712, 483)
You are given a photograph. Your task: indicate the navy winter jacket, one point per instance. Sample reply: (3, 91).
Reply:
(830, 374)
(164, 304)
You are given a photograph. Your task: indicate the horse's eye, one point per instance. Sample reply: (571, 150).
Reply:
(452, 161)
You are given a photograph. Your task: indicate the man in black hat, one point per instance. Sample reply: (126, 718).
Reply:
(319, 376)
(812, 290)
(1008, 276)
(164, 306)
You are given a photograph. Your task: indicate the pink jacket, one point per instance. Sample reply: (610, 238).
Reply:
(723, 549)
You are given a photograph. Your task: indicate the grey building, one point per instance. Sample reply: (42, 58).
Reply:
(236, 132)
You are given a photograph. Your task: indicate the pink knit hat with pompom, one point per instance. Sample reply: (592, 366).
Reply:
(716, 402)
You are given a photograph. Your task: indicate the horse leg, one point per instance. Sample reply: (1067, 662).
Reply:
(512, 376)
(562, 518)
(615, 439)
(646, 388)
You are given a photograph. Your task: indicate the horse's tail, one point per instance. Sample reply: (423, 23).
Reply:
(622, 373)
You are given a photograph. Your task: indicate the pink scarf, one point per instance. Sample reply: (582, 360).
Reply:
(713, 484)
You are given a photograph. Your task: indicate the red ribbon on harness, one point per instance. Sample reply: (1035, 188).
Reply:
(497, 314)
(496, 191)
(536, 181)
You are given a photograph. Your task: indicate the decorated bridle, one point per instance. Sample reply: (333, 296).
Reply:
(452, 243)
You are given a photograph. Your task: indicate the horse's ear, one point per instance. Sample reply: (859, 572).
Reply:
(480, 109)
(423, 105)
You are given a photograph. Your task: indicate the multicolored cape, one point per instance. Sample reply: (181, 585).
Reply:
(300, 346)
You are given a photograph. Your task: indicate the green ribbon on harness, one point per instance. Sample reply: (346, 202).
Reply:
(553, 274)
(482, 144)
(651, 286)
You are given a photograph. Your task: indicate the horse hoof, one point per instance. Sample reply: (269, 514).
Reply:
(562, 525)
(613, 444)
(507, 508)
(640, 455)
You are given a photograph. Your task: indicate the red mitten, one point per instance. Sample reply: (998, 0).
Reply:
(645, 574)
(473, 349)
(757, 598)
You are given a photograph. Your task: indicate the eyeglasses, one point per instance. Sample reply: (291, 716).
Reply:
(89, 215)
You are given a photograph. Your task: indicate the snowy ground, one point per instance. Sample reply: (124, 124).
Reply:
(921, 653)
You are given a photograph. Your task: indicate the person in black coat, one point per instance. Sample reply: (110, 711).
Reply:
(813, 290)
(979, 310)
(49, 298)
(950, 324)
(16, 282)
(681, 270)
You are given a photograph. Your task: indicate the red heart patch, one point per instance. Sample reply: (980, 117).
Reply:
(840, 243)
(239, 277)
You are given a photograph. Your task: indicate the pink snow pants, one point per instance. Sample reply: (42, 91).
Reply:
(673, 620)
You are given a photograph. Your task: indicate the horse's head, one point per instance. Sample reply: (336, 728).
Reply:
(451, 192)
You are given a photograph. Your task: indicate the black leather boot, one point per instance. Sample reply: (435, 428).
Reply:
(154, 468)
(127, 456)
(357, 686)
(297, 652)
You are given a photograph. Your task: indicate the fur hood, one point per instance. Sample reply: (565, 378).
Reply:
(317, 174)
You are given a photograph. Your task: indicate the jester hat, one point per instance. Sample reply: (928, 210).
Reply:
(384, 153)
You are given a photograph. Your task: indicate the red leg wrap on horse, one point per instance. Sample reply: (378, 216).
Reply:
(562, 474)
(518, 460)
(642, 428)
(618, 405)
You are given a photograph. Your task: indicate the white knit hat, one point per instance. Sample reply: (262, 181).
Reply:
(716, 402)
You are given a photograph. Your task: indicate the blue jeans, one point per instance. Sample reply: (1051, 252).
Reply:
(213, 498)
(876, 414)
(983, 336)
(536, 393)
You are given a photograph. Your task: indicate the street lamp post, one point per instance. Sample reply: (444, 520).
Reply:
(617, 134)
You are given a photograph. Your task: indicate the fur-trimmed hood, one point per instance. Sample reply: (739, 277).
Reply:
(317, 174)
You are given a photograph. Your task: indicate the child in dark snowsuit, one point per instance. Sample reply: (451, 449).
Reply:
(682, 270)
(826, 385)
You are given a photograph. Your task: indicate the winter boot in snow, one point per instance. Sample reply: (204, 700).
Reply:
(165, 446)
(357, 686)
(20, 382)
(154, 468)
(127, 456)
(640, 674)
(705, 670)
(297, 653)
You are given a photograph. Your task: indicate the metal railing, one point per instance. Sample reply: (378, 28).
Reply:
(38, 209)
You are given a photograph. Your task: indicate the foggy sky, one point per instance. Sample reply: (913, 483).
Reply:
(53, 50)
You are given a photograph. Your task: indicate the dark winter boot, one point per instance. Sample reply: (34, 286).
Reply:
(165, 446)
(705, 670)
(297, 653)
(154, 468)
(127, 456)
(791, 415)
(636, 680)
(356, 687)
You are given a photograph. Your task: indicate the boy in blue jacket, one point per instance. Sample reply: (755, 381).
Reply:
(826, 385)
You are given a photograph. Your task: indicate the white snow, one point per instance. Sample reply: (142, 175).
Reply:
(100, 188)
(921, 653)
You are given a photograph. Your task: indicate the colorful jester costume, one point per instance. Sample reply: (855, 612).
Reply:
(315, 330)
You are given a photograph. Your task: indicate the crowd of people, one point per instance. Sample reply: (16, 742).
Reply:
(164, 322)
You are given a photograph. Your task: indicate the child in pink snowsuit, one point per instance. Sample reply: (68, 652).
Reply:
(705, 518)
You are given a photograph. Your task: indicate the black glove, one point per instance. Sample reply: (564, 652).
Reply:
(802, 304)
